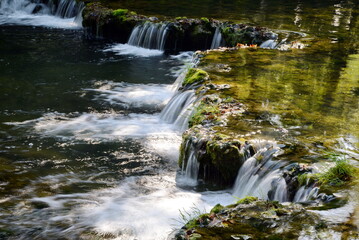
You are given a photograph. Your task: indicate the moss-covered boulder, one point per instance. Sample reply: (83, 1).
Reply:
(220, 156)
(251, 218)
(102, 22)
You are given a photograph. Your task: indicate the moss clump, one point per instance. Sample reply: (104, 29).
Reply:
(217, 208)
(306, 179)
(204, 19)
(338, 175)
(247, 200)
(204, 112)
(195, 75)
(180, 18)
(119, 12)
(198, 221)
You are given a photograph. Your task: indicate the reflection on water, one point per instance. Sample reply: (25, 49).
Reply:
(107, 159)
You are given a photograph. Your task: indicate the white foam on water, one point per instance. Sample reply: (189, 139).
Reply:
(126, 49)
(134, 95)
(146, 208)
(186, 61)
(337, 215)
(23, 18)
(104, 126)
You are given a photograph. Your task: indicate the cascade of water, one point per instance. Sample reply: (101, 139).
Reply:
(11, 6)
(305, 193)
(62, 8)
(271, 44)
(217, 39)
(149, 35)
(261, 177)
(178, 110)
(68, 8)
(192, 168)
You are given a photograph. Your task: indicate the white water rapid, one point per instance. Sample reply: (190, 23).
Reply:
(64, 14)
(146, 203)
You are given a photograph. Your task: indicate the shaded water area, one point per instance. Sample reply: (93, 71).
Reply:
(83, 151)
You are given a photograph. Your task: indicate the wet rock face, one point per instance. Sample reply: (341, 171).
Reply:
(251, 218)
(219, 156)
(218, 160)
(101, 22)
(183, 34)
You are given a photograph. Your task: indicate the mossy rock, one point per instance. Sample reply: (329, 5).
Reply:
(256, 219)
(195, 76)
(247, 200)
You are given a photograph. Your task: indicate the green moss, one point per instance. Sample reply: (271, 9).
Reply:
(306, 178)
(217, 208)
(204, 19)
(195, 75)
(338, 175)
(180, 18)
(198, 221)
(204, 112)
(247, 200)
(119, 12)
(195, 236)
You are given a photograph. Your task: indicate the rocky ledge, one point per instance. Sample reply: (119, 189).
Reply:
(182, 33)
(251, 218)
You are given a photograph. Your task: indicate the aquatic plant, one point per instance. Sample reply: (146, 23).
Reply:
(339, 174)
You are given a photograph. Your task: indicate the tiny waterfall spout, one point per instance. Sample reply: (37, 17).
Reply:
(192, 168)
(149, 35)
(217, 39)
(261, 177)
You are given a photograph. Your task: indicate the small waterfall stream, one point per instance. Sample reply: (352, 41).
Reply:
(260, 176)
(55, 14)
(271, 44)
(149, 35)
(217, 39)
(61, 8)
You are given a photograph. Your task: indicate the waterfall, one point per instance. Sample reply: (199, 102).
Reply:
(217, 39)
(305, 193)
(192, 168)
(271, 44)
(60, 8)
(68, 8)
(261, 177)
(149, 35)
(179, 109)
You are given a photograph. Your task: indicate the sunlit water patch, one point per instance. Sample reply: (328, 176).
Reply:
(144, 96)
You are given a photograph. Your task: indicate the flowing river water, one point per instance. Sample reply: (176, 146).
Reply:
(85, 151)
